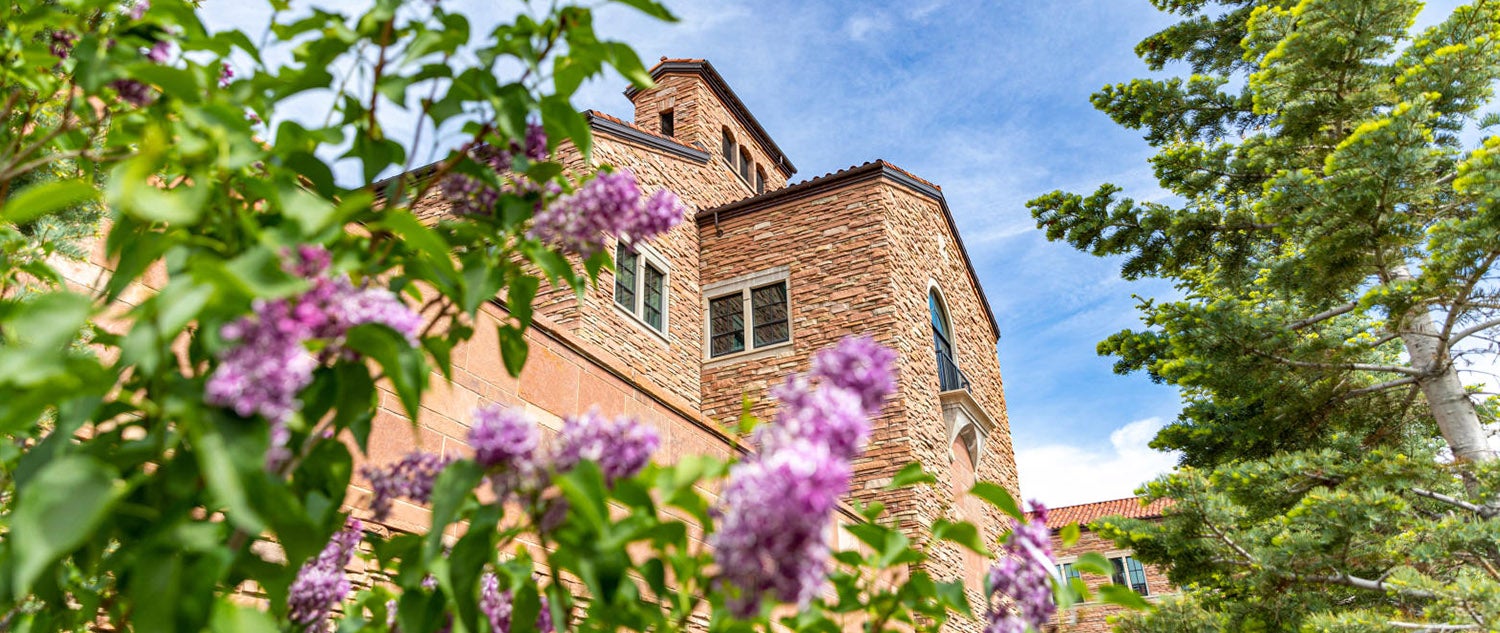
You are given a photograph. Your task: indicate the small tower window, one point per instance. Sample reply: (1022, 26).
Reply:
(667, 124)
(745, 164)
(728, 148)
(760, 180)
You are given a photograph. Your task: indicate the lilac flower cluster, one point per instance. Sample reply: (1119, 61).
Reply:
(62, 43)
(410, 477)
(1022, 575)
(132, 92)
(138, 11)
(471, 196)
(268, 363)
(497, 606)
(776, 508)
(621, 447)
(502, 436)
(609, 205)
(321, 582)
(159, 52)
(225, 74)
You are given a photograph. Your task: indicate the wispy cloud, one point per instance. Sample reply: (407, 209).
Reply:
(1060, 474)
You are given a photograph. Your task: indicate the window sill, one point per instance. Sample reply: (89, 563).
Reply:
(768, 351)
(641, 323)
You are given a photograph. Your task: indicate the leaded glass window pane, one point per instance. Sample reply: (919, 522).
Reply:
(726, 325)
(768, 312)
(1137, 576)
(655, 291)
(625, 271)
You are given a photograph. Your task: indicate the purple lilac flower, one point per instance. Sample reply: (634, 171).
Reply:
(544, 617)
(778, 503)
(774, 512)
(160, 51)
(225, 74)
(469, 195)
(375, 304)
(496, 605)
(657, 215)
(321, 582)
(139, 10)
(132, 92)
(1022, 575)
(580, 221)
(861, 365)
(502, 436)
(410, 477)
(621, 447)
(62, 44)
(267, 365)
(828, 415)
(536, 142)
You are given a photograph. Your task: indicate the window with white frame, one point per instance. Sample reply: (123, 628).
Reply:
(641, 287)
(1129, 572)
(748, 313)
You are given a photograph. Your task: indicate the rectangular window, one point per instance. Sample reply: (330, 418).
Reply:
(668, 126)
(748, 313)
(656, 291)
(726, 316)
(760, 180)
(625, 267)
(641, 287)
(768, 312)
(1129, 571)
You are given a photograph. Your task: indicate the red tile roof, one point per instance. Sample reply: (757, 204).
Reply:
(1084, 514)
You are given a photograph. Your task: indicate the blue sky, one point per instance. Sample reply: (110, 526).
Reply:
(990, 100)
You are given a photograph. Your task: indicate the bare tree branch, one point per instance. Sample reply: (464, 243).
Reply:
(1364, 583)
(1482, 511)
(1472, 330)
(1422, 626)
(1323, 316)
(1381, 387)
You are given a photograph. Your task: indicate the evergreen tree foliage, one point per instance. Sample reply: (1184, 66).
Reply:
(1333, 231)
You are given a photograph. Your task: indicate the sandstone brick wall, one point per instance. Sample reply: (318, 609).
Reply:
(700, 118)
(1093, 617)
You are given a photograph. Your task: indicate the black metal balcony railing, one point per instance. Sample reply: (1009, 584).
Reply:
(950, 377)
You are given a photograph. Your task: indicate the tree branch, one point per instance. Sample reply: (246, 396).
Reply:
(1323, 316)
(1394, 369)
(1483, 511)
(1381, 387)
(1472, 330)
(1420, 626)
(1364, 583)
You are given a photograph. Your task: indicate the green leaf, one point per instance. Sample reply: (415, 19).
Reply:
(513, 349)
(1069, 534)
(404, 365)
(219, 470)
(996, 495)
(49, 197)
(233, 618)
(911, 474)
(584, 488)
(962, 533)
(1094, 563)
(58, 511)
(1123, 596)
(651, 8)
(951, 594)
(449, 492)
(561, 120)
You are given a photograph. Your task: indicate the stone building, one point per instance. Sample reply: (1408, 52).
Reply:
(1146, 580)
(763, 274)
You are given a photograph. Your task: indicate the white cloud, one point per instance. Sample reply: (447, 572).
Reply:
(1069, 474)
(861, 26)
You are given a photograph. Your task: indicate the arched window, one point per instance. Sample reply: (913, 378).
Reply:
(728, 148)
(949, 377)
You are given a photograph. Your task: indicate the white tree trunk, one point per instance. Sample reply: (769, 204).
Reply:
(1450, 404)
